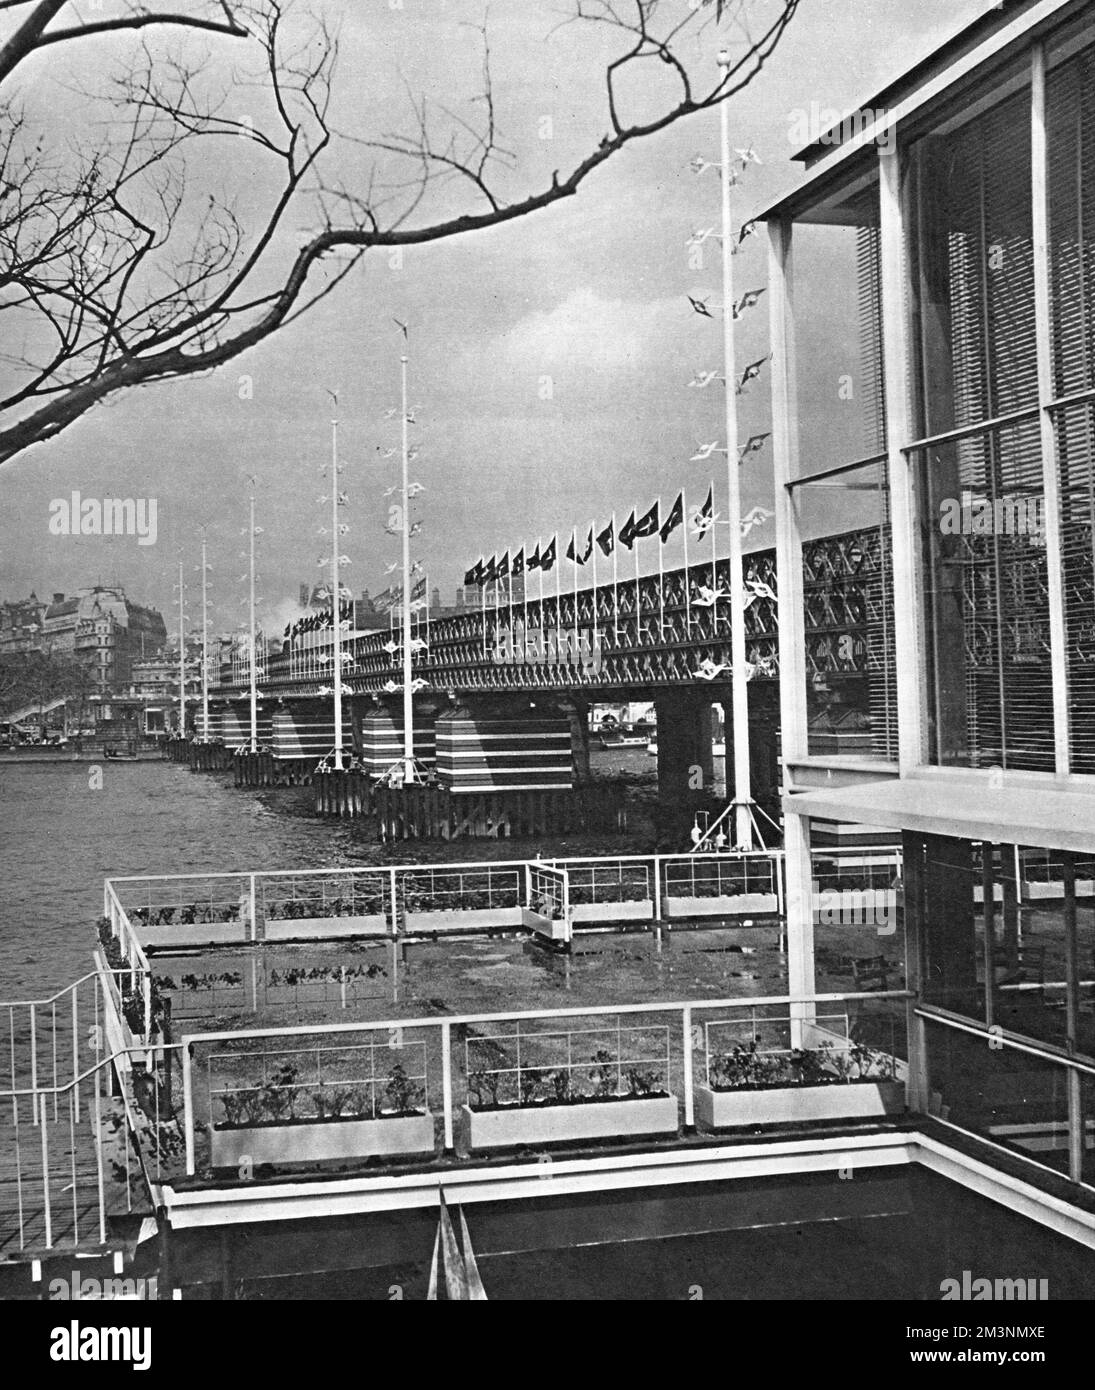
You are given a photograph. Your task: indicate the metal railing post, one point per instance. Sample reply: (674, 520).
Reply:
(188, 1107)
(392, 902)
(657, 888)
(34, 1063)
(76, 1046)
(254, 912)
(146, 990)
(99, 1155)
(45, 1173)
(686, 1078)
(446, 1083)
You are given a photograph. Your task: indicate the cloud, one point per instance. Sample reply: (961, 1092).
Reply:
(587, 331)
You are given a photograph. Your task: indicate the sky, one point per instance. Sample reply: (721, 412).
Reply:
(549, 357)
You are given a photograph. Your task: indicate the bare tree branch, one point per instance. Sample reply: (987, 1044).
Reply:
(120, 265)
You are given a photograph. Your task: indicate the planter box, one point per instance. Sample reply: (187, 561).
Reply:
(324, 928)
(552, 928)
(193, 934)
(559, 1124)
(322, 1141)
(471, 919)
(738, 905)
(640, 910)
(795, 1104)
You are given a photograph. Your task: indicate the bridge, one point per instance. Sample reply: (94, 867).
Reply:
(663, 637)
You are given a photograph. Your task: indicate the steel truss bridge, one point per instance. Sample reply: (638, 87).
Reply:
(637, 637)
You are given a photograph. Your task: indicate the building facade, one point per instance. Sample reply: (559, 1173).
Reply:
(957, 211)
(104, 630)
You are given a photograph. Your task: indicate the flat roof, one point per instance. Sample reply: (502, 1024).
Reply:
(1006, 808)
(1000, 25)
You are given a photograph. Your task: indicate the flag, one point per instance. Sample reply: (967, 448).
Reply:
(547, 559)
(475, 574)
(633, 530)
(419, 589)
(674, 519)
(752, 444)
(701, 519)
(589, 548)
(752, 372)
(533, 561)
(502, 571)
(489, 572)
(747, 301)
(518, 566)
(606, 540)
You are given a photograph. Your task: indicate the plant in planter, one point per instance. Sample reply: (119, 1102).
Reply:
(643, 1083)
(604, 1074)
(563, 1088)
(530, 1082)
(483, 1085)
(403, 1094)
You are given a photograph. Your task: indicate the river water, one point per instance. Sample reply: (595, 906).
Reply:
(62, 837)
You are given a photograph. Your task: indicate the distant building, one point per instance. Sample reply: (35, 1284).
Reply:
(21, 624)
(103, 629)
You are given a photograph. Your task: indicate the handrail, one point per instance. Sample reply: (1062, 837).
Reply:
(1017, 1042)
(510, 1016)
(836, 852)
(89, 1072)
(51, 999)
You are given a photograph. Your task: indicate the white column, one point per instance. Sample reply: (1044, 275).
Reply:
(336, 601)
(408, 674)
(911, 683)
(1043, 339)
(798, 903)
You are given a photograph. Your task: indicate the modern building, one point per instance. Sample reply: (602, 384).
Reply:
(938, 254)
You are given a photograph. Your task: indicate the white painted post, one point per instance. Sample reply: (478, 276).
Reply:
(254, 916)
(657, 888)
(392, 902)
(686, 1041)
(446, 1083)
(188, 1106)
(45, 1171)
(1039, 153)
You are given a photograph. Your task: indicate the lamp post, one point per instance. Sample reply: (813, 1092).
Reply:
(205, 648)
(336, 604)
(253, 663)
(742, 796)
(182, 659)
(408, 693)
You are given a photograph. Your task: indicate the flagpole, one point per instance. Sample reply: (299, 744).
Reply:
(408, 694)
(558, 601)
(205, 650)
(251, 622)
(483, 608)
(714, 564)
(509, 576)
(743, 838)
(182, 659)
(336, 603)
(596, 623)
(524, 601)
(638, 602)
(687, 579)
(574, 653)
(615, 582)
(661, 576)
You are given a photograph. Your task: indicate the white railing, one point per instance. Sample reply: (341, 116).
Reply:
(446, 1070)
